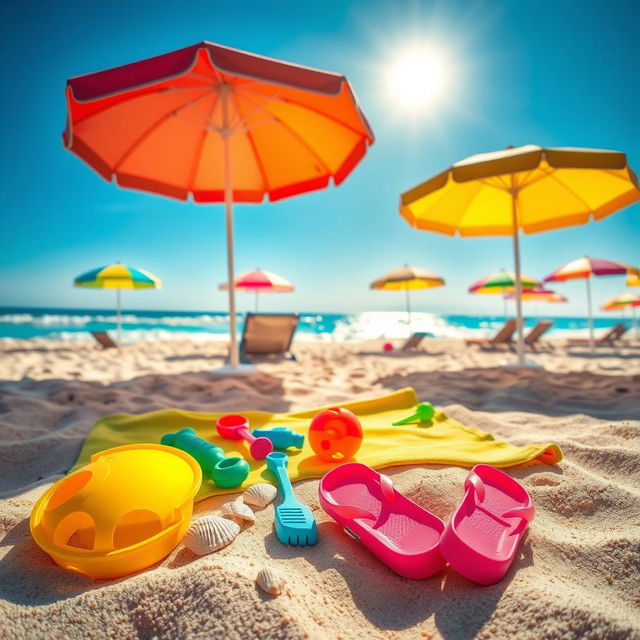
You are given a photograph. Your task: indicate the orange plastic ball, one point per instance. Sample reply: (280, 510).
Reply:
(335, 434)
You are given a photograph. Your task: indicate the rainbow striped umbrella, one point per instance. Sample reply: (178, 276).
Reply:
(405, 279)
(117, 276)
(586, 268)
(502, 282)
(623, 301)
(259, 281)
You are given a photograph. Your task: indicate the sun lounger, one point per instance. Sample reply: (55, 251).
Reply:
(608, 339)
(503, 337)
(531, 339)
(104, 339)
(413, 342)
(268, 335)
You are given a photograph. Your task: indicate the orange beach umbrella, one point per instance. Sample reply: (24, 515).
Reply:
(218, 125)
(623, 301)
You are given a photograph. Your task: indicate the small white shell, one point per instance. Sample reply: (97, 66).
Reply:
(238, 512)
(210, 534)
(270, 581)
(260, 495)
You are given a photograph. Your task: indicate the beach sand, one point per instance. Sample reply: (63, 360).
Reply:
(576, 575)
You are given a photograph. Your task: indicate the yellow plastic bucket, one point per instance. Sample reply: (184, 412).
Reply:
(119, 514)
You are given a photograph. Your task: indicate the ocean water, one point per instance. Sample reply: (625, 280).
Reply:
(73, 324)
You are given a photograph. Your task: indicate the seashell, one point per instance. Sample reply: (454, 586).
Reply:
(270, 581)
(210, 534)
(260, 495)
(238, 512)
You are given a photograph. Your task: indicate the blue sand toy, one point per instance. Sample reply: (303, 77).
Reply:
(281, 437)
(225, 472)
(295, 524)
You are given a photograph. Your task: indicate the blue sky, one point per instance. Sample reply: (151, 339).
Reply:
(545, 72)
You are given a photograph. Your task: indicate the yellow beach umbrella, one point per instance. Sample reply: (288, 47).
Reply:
(405, 279)
(117, 276)
(527, 188)
(633, 280)
(624, 301)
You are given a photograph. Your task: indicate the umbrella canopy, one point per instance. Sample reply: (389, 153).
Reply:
(537, 295)
(218, 125)
(117, 276)
(259, 281)
(633, 280)
(528, 188)
(586, 268)
(407, 278)
(623, 301)
(501, 282)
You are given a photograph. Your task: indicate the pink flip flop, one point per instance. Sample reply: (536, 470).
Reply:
(482, 536)
(401, 534)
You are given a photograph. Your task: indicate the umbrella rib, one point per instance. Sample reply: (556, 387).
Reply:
(151, 129)
(313, 110)
(197, 158)
(296, 135)
(261, 169)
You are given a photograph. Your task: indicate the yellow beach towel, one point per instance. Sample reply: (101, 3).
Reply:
(443, 441)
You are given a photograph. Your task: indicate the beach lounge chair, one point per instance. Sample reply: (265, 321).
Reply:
(268, 335)
(531, 339)
(413, 342)
(608, 339)
(503, 337)
(104, 339)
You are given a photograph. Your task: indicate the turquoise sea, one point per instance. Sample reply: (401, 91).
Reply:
(73, 324)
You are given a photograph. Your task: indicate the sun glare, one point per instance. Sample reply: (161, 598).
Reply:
(418, 78)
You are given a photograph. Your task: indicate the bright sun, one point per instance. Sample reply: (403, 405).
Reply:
(418, 78)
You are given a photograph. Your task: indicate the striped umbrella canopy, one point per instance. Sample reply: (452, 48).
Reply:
(537, 295)
(586, 268)
(624, 301)
(407, 278)
(529, 189)
(216, 124)
(117, 276)
(259, 281)
(501, 282)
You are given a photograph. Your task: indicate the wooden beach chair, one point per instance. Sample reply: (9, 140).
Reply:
(607, 340)
(104, 339)
(503, 337)
(413, 342)
(268, 335)
(531, 339)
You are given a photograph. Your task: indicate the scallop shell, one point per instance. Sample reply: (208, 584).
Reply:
(238, 512)
(210, 534)
(270, 581)
(260, 495)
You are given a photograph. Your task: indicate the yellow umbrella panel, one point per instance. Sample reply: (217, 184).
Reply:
(529, 189)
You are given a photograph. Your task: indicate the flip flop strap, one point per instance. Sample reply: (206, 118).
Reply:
(524, 512)
(474, 482)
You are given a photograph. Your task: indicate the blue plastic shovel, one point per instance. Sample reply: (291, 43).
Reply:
(295, 524)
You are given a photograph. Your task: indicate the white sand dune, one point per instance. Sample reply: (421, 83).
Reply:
(577, 574)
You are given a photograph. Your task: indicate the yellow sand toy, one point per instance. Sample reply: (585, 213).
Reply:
(123, 512)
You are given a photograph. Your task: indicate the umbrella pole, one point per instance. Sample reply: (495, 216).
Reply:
(635, 323)
(504, 304)
(228, 203)
(256, 302)
(406, 290)
(118, 317)
(516, 259)
(591, 341)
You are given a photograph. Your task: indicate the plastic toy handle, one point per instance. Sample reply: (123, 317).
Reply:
(236, 427)
(424, 412)
(277, 463)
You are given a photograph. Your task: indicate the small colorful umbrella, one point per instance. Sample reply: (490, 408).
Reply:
(405, 279)
(501, 282)
(527, 189)
(587, 268)
(537, 295)
(623, 301)
(218, 125)
(117, 276)
(633, 281)
(259, 281)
